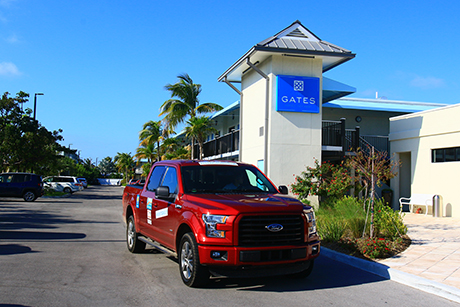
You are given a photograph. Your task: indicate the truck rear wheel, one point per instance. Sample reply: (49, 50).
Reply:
(193, 274)
(132, 240)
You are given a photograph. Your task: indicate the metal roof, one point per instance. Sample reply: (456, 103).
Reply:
(333, 89)
(226, 110)
(382, 105)
(295, 40)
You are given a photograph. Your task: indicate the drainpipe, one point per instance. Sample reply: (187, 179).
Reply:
(240, 141)
(267, 89)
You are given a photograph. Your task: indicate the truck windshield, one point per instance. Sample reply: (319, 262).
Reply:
(225, 179)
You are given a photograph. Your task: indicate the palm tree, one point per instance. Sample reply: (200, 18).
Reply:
(184, 103)
(146, 152)
(150, 135)
(198, 128)
(125, 164)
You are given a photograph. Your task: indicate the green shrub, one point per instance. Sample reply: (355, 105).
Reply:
(326, 180)
(377, 248)
(331, 229)
(388, 223)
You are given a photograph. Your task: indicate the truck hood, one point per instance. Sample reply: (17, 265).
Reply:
(242, 203)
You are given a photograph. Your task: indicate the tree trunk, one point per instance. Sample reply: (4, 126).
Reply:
(192, 149)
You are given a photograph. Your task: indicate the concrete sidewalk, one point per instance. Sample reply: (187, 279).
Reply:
(435, 250)
(431, 263)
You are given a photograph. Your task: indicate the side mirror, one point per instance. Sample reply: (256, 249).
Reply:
(162, 192)
(283, 189)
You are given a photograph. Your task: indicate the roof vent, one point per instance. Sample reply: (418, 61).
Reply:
(297, 33)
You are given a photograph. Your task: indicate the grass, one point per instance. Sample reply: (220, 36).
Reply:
(52, 193)
(342, 226)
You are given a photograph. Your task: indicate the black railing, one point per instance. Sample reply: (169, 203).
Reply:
(380, 143)
(345, 140)
(219, 146)
(332, 133)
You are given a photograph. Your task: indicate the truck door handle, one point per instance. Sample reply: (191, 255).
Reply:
(178, 206)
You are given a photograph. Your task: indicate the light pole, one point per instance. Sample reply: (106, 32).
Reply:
(35, 102)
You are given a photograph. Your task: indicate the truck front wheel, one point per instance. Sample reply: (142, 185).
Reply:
(132, 240)
(192, 272)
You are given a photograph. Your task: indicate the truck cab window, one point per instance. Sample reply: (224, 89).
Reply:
(170, 180)
(155, 179)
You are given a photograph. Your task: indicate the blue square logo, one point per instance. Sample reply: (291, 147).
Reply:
(297, 94)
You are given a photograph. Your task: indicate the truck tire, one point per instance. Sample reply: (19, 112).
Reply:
(132, 240)
(305, 273)
(29, 196)
(193, 274)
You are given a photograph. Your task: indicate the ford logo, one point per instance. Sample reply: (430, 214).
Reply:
(274, 227)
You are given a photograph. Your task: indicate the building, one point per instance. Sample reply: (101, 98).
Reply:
(290, 115)
(428, 145)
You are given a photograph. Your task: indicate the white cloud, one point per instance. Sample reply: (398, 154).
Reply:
(12, 39)
(9, 69)
(427, 82)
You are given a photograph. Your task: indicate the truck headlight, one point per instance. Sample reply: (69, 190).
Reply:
(310, 214)
(211, 221)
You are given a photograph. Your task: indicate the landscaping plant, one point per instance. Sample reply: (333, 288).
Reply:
(342, 226)
(326, 179)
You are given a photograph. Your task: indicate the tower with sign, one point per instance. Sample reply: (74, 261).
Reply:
(280, 82)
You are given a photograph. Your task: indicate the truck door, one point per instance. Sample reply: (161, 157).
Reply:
(146, 199)
(165, 213)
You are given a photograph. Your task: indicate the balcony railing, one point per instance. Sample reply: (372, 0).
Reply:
(334, 135)
(220, 147)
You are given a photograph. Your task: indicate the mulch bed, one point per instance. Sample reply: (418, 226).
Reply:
(352, 250)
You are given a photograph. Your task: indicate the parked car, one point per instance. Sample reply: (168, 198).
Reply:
(67, 184)
(133, 181)
(26, 185)
(137, 181)
(83, 182)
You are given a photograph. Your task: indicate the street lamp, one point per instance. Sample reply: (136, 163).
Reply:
(35, 102)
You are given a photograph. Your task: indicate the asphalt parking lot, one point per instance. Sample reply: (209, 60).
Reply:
(72, 252)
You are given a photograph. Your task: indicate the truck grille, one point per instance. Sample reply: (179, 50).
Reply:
(253, 231)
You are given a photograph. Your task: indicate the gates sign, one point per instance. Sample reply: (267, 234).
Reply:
(297, 94)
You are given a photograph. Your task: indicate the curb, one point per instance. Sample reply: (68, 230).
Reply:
(420, 283)
(61, 196)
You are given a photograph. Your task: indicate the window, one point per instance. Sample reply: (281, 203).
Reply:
(155, 178)
(18, 178)
(451, 154)
(170, 180)
(225, 179)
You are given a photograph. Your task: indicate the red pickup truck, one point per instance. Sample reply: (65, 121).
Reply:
(220, 218)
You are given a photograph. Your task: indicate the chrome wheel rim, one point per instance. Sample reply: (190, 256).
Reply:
(186, 260)
(131, 234)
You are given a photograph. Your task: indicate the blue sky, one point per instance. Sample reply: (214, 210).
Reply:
(102, 65)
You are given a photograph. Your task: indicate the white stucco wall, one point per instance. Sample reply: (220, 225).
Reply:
(415, 135)
(294, 139)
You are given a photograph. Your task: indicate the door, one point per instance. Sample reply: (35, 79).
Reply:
(405, 177)
(6, 184)
(146, 199)
(165, 213)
